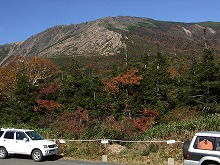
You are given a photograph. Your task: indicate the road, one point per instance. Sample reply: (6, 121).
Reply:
(28, 161)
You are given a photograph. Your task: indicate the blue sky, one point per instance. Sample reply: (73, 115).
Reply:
(20, 19)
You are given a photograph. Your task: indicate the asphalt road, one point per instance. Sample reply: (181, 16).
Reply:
(28, 161)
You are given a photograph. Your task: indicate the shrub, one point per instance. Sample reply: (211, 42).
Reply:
(73, 122)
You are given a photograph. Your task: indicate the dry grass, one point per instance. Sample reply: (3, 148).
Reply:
(133, 154)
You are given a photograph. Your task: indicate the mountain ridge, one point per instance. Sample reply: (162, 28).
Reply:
(111, 36)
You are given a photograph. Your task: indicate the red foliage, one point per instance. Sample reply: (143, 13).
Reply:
(150, 113)
(47, 104)
(50, 89)
(125, 126)
(46, 108)
(147, 121)
(73, 121)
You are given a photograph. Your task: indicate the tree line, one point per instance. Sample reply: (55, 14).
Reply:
(118, 102)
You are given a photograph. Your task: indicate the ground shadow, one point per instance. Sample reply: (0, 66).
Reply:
(48, 158)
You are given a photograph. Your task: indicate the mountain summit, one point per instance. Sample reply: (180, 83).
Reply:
(115, 35)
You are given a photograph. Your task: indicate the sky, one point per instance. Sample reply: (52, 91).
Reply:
(20, 19)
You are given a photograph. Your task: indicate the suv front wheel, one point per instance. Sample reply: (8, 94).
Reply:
(3, 153)
(37, 155)
(210, 163)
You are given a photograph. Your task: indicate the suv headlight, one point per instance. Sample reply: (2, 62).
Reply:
(45, 146)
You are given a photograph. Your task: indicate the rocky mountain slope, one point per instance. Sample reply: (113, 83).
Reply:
(113, 36)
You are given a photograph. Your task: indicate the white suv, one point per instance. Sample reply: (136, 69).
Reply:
(203, 149)
(27, 142)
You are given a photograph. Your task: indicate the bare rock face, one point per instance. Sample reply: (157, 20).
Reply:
(93, 41)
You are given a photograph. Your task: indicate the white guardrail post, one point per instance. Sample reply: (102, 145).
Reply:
(105, 156)
(171, 160)
(62, 144)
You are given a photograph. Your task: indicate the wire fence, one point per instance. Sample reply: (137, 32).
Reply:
(104, 141)
(98, 149)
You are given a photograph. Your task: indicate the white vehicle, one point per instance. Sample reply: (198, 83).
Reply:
(27, 142)
(203, 149)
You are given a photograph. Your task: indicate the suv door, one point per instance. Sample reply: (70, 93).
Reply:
(22, 144)
(8, 141)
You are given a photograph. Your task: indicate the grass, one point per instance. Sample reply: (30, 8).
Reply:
(184, 130)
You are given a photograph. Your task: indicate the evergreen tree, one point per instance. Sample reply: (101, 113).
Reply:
(71, 87)
(156, 84)
(20, 107)
(204, 83)
(80, 90)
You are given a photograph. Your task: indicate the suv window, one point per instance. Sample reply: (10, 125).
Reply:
(9, 135)
(218, 144)
(1, 133)
(204, 143)
(34, 135)
(20, 135)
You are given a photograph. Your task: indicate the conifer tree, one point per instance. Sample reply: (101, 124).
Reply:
(20, 106)
(155, 84)
(205, 83)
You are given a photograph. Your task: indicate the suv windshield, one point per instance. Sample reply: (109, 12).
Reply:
(34, 135)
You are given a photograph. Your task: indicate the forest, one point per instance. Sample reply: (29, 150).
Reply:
(119, 101)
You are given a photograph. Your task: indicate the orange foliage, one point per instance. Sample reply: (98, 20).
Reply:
(130, 77)
(33, 68)
(7, 80)
(173, 71)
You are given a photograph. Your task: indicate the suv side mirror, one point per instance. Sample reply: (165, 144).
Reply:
(25, 139)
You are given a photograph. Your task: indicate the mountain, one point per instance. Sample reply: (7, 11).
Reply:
(112, 36)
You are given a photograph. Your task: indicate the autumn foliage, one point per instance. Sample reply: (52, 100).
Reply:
(129, 78)
(147, 121)
(47, 105)
(123, 128)
(113, 102)
(73, 122)
(33, 68)
(7, 80)
(50, 89)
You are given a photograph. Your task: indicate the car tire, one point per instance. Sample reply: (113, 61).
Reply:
(210, 163)
(37, 155)
(3, 153)
(185, 148)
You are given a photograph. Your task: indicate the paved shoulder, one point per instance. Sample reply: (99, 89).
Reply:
(16, 161)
